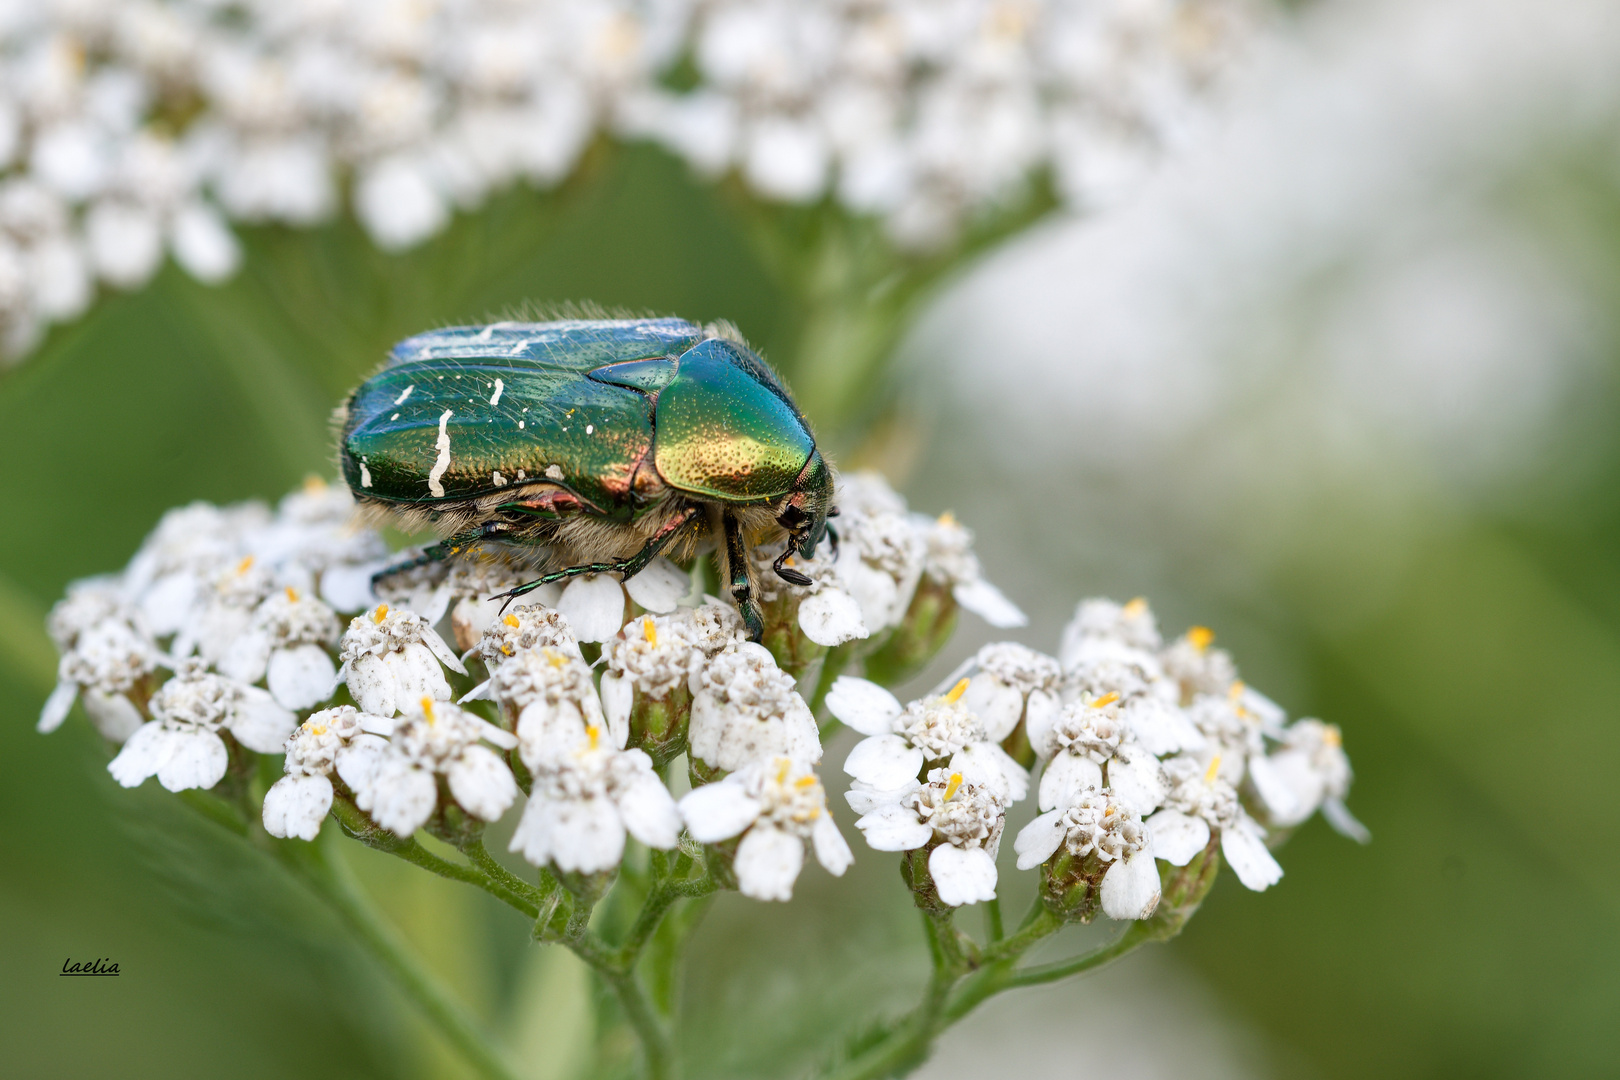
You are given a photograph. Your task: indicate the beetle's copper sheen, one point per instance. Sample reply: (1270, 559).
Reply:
(606, 439)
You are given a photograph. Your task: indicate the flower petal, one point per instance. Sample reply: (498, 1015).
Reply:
(1279, 796)
(997, 705)
(893, 828)
(1040, 716)
(114, 715)
(660, 587)
(402, 797)
(962, 875)
(594, 605)
(989, 764)
(648, 809)
(719, 811)
(348, 588)
(1037, 841)
(1137, 782)
(990, 604)
(481, 783)
(244, 659)
(884, 761)
(441, 649)
(1160, 726)
(259, 723)
(1066, 776)
(197, 760)
(863, 705)
(300, 677)
(1344, 822)
(372, 683)
(57, 707)
(768, 863)
(864, 798)
(357, 765)
(144, 753)
(1177, 838)
(296, 805)
(832, 850)
(1245, 851)
(587, 835)
(1130, 889)
(831, 617)
(618, 697)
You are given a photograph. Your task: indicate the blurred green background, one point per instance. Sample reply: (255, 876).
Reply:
(1474, 664)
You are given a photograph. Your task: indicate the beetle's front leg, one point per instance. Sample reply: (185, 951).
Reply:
(742, 594)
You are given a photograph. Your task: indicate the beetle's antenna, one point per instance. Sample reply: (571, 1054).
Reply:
(792, 577)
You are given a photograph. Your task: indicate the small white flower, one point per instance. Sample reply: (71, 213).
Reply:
(745, 708)
(949, 560)
(657, 657)
(225, 610)
(1089, 747)
(1198, 801)
(1312, 769)
(777, 806)
(436, 738)
(964, 817)
(391, 661)
(1011, 682)
(1200, 669)
(902, 741)
(181, 746)
(342, 740)
(553, 699)
(106, 662)
(286, 645)
(585, 799)
(1095, 822)
(1103, 631)
(660, 587)
(525, 629)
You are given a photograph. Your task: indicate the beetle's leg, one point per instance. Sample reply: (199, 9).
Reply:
(832, 535)
(444, 549)
(625, 568)
(742, 594)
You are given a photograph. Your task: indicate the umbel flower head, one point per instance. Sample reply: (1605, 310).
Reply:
(959, 820)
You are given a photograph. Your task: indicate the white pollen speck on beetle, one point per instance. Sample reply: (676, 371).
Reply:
(522, 475)
(499, 386)
(443, 461)
(365, 475)
(407, 393)
(520, 425)
(590, 429)
(554, 472)
(499, 480)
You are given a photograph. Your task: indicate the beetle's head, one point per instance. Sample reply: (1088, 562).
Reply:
(804, 512)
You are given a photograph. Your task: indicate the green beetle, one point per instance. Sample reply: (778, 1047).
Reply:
(608, 440)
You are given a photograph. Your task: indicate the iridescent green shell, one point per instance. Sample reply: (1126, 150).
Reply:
(604, 409)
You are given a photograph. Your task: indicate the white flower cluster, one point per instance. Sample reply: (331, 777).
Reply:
(1149, 751)
(129, 129)
(223, 639)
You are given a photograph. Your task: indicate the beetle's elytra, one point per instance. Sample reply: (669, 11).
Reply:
(608, 440)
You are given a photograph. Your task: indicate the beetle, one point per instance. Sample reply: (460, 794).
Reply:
(609, 440)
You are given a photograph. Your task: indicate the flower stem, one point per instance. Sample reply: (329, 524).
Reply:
(331, 878)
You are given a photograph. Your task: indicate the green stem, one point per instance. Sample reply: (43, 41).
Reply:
(331, 878)
(992, 921)
(534, 898)
(656, 1044)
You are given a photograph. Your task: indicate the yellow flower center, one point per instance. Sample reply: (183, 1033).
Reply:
(512, 621)
(950, 788)
(380, 614)
(957, 691)
(245, 565)
(1134, 609)
(1107, 699)
(292, 594)
(649, 630)
(1213, 770)
(1199, 637)
(427, 710)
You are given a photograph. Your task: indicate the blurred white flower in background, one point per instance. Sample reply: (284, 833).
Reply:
(1367, 282)
(133, 129)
